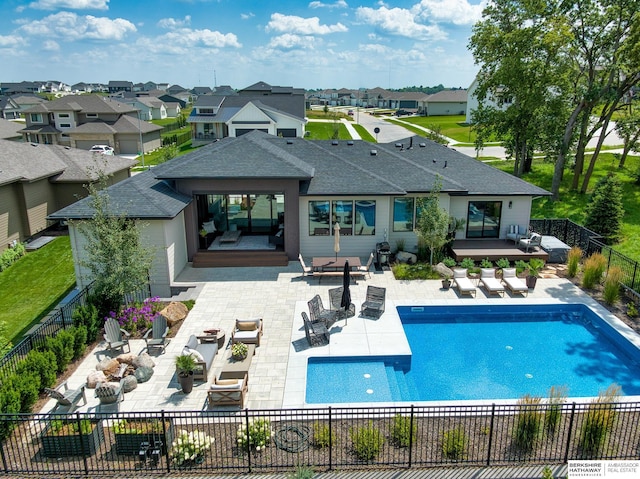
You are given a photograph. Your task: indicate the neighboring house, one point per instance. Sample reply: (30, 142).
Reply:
(81, 88)
(150, 108)
(26, 102)
(162, 86)
(116, 86)
(263, 185)
(54, 86)
(81, 121)
(447, 102)
(138, 87)
(9, 109)
(37, 180)
(414, 101)
(166, 98)
(473, 103)
(8, 88)
(10, 130)
(173, 109)
(201, 90)
(148, 86)
(175, 89)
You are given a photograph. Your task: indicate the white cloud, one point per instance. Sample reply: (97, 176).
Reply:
(70, 4)
(303, 26)
(246, 16)
(185, 40)
(10, 41)
(69, 26)
(458, 12)
(338, 4)
(290, 41)
(173, 23)
(51, 46)
(399, 21)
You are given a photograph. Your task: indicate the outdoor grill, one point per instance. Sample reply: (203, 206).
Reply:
(383, 251)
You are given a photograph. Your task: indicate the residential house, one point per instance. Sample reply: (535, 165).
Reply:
(28, 87)
(496, 101)
(54, 86)
(10, 130)
(138, 87)
(81, 121)
(115, 86)
(81, 87)
(173, 109)
(166, 98)
(37, 180)
(162, 86)
(175, 89)
(447, 102)
(265, 186)
(149, 108)
(9, 109)
(148, 86)
(201, 90)
(224, 90)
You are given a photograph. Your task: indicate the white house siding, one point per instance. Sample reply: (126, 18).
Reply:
(176, 253)
(472, 100)
(254, 118)
(446, 108)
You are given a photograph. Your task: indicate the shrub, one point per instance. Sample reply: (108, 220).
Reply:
(454, 444)
(503, 263)
(322, 436)
(632, 310)
(528, 423)
(423, 249)
(611, 292)
(79, 341)
(594, 267)
(62, 346)
(521, 266)
(467, 263)
(302, 472)
(553, 413)
(485, 263)
(11, 255)
(573, 261)
(402, 431)
(9, 404)
(413, 271)
(367, 441)
(257, 435)
(400, 244)
(43, 364)
(138, 316)
(449, 262)
(27, 386)
(189, 303)
(88, 317)
(598, 422)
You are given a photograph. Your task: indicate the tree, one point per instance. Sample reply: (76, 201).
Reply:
(119, 264)
(605, 210)
(628, 128)
(432, 226)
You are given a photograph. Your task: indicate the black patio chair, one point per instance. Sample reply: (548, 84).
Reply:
(373, 307)
(335, 298)
(319, 314)
(316, 333)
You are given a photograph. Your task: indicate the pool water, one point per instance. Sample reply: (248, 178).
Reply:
(485, 352)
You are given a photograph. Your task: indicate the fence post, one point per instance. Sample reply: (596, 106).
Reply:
(82, 448)
(411, 437)
(167, 446)
(246, 423)
(330, 441)
(493, 413)
(566, 451)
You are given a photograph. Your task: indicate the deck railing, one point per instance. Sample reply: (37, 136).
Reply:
(325, 439)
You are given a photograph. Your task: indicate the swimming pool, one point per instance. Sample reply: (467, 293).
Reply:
(484, 352)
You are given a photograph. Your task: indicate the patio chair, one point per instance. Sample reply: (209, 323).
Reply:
(67, 399)
(535, 241)
(316, 333)
(516, 232)
(373, 306)
(156, 337)
(228, 392)
(306, 270)
(109, 395)
(319, 314)
(247, 331)
(490, 282)
(115, 336)
(366, 268)
(335, 298)
(511, 281)
(462, 283)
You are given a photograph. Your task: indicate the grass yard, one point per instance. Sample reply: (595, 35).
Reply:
(324, 131)
(34, 285)
(572, 204)
(452, 126)
(330, 115)
(364, 133)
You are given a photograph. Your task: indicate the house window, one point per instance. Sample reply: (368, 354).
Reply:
(403, 214)
(205, 111)
(365, 218)
(36, 118)
(342, 213)
(92, 115)
(362, 223)
(483, 219)
(63, 115)
(319, 218)
(65, 125)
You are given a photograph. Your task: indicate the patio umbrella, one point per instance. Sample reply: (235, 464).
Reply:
(346, 292)
(336, 239)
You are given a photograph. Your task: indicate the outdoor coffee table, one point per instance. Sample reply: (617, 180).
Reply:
(236, 369)
(230, 236)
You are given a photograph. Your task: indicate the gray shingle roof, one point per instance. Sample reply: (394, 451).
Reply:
(85, 103)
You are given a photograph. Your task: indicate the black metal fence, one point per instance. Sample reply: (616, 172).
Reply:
(330, 438)
(590, 242)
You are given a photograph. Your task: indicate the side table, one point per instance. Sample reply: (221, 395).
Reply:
(209, 337)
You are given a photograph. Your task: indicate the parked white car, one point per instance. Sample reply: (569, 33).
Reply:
(104, 149)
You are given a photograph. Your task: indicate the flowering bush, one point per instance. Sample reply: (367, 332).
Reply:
(258, 435)
(139, 316)
(190, 446)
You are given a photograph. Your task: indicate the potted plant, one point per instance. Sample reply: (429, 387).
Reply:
(129, 434)
(446, 281)
(186, 364)
(534, 267)
(239, 351)
(70, 437)
(203, 239)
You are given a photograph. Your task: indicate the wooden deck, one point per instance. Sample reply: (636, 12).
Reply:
(493, 250)
(213, 259)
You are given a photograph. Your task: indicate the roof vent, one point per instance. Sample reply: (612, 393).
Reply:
(350, 143)
(422, 145)
(289, 142)
(399, 145)
(373, 152)
(34, 144)
(334, 142)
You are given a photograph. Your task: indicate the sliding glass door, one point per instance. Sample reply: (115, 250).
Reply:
(483, 219)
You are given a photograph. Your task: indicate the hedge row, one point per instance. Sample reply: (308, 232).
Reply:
(11, 255)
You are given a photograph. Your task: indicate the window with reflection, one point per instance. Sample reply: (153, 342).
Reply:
(403, 214)
(483, 219)
(319, 218)
(365, 218)
(342, 213)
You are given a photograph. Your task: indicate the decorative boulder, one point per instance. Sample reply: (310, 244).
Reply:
(94, 378)
(174, 312)
(143, 374)
(144, 360)
(108, 365)
(443, 270)
(404, 257)
(129, 383)
(126, 358)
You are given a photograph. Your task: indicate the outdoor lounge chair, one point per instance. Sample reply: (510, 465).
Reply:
(511, 281)
(67, 399)
(534, 241)
(156, 337)
(247, 331)
(306, 270)
(335, 298)
(316, 333)
(366, 268)
(462, 282)
(109, 395)
(516, 232)
(228, 392)
(373, 306)
(115, 336)
(490, 282)
(319, 314)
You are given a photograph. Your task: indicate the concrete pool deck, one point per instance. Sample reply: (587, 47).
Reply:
(279, 295)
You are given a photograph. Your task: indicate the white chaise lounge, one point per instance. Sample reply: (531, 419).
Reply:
(462, 282)
(490, 282)
(511, 281)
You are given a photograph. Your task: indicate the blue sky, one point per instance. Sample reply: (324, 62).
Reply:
(305, 44)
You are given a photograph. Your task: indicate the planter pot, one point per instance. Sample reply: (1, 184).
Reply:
(186, 382)
(446, 283)
(531, 281)
(128, 443)
(62, 445)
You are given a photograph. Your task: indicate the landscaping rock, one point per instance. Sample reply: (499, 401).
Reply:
(126, 358)
(129, 383)
(404, 257)
(143, 374)
(144, 360)
(94, 378)
(174, 312)
(108, 365)
(444, 271)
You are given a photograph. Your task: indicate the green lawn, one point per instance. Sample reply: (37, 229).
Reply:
(452, 126)
(364, 133)
(34, 285)
(572, 205)
(324, 131)
(321, 115)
